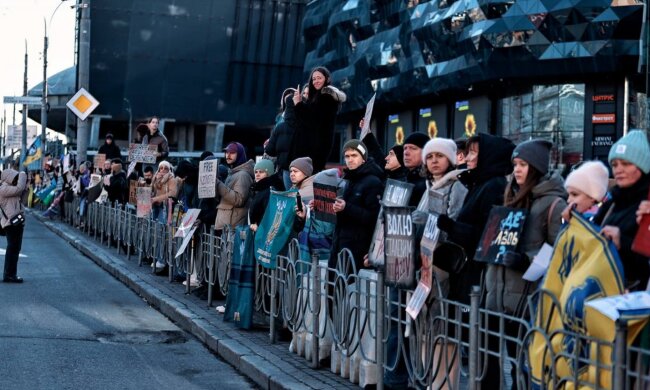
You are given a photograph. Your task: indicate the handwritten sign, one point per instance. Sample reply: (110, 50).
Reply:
(143, 195)
(133, 192)
(396, 193)
(399, 247)
(98, 160)
(208, 179)
(143, 153)
(502, 234)
(427, 247)
(186, 224)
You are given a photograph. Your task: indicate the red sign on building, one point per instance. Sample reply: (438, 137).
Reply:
(603, 118)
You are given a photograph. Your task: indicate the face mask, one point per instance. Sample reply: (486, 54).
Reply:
(148, 181)
(107, 171)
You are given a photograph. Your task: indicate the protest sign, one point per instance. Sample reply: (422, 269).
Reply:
(188, 220)
(399, 247)
(143, 195)
(143, 153)
(427, 247)
(98, 160)
(275, 229)
(131, 168)
(367, 117)
(133, 188)
(324, 197)
(208, 179)
(396, 193)
(502, 233)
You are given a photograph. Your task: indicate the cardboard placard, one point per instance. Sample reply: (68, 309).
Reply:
(143, 195)
(208, 179)
(324, 198)
(396, 193)
(98, 160)
(143, 153)
(502, 234)
(367, 117)
(133, 192)
(399, 247)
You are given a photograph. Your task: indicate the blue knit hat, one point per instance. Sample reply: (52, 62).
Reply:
(265, 165)
(634, 148)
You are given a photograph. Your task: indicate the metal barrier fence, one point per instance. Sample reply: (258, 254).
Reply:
(361, 324)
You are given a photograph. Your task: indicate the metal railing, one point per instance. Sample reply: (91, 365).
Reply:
(361, 324)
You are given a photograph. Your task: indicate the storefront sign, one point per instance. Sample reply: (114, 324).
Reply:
(603, 140)
(603, 98)
(603, 118)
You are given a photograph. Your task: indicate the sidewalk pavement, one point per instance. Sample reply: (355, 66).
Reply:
(271, 366)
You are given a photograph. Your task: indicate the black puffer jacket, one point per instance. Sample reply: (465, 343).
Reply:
(260, 192)
(314, 135)
(356, 223)
(118, 190)
(111, 151)
(486, 185)
(624, 203)
(282, 135)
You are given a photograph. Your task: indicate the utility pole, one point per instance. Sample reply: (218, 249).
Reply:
(23, 152)
(44, 94)
(83, 72)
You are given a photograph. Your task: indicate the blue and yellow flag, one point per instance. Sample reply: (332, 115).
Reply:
(584, 266)
(34, 153)
(275, 229)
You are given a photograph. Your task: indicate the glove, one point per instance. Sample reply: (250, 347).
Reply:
(445, 223)
(337, 94)
(516, 261)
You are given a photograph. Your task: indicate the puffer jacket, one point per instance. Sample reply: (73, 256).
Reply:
(486, 185)
(356, 223)
(10, 194)
(506, 288)
(234, 192)
(279, 145)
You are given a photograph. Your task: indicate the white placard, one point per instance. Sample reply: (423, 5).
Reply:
(540, 264)
(367, 117)
(208, 179)
(614, 306)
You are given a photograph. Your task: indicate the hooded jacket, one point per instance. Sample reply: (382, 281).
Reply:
(486, 185)
(506, 289)
(10, 194)
(118, 189)
(356, 223)
(111, 151)
(234, 192)
(623, 205)
(282, 135)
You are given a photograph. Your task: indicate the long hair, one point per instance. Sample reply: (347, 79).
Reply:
(520, 197)
(313, 92)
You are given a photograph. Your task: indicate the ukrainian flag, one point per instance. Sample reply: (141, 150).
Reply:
(34, 153)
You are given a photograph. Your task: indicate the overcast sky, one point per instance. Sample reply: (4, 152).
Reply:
(22, 20)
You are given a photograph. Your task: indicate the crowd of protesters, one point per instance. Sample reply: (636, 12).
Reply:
(472, 175)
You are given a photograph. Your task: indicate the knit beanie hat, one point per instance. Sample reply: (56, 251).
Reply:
(358, 146)
(304, 164)
(399, 153)
(535, 152)
(444, 146)
(633, 148)
(592, 178)
(417, 139)
(265, 165)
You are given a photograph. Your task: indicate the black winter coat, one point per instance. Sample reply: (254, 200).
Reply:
(624, 204)
(118, 190)
(111, 151)
(486, 186)
(260, 193)
(279, 145)
(414, 177)
(314, 135)
(375, 151)
(356, 223)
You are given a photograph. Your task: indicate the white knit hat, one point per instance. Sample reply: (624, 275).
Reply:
(592, 178)
(445, 146)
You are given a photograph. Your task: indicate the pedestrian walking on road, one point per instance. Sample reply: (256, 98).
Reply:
(12, 220)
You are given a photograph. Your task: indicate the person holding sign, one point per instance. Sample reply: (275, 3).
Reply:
(235, 190)
(629, 158)
(542, 194)
(155, 137)
(265, 180)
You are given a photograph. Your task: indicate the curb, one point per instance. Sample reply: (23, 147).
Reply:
(255, 367)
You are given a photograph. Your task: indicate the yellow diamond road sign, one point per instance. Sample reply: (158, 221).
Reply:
(82, 104)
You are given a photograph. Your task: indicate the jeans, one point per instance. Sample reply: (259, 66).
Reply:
(159, 214)
(398, 378)
(286, 179)
(14, 244)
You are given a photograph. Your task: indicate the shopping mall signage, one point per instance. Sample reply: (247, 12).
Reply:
(603, 118)
(603, 98)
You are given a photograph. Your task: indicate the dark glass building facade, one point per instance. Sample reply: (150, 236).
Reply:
(570, 71)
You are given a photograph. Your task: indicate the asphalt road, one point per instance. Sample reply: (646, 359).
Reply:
(72, 326)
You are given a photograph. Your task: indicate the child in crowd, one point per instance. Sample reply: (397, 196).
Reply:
(587, 187)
